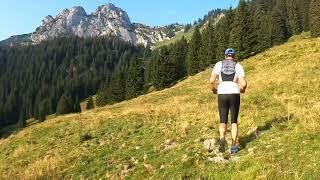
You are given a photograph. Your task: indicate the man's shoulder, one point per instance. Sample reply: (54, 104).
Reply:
(219, 63)
(239, 65)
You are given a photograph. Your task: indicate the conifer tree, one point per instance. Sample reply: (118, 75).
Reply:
(164, 69)
(43, 110)
(118, 83)
(261, 24)
(207, 50)
(179, 55)
(193, 58)
(278, 29)
(222, 33)
(77, 107)
(294, 18)
(304, 7)
(242, 36)
(90, 104)
(314, 16)
(103, 96)
(22, 120)
(135, 80)
(282, 8)
(65, 105)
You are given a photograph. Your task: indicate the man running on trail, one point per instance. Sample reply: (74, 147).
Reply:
(227, 80)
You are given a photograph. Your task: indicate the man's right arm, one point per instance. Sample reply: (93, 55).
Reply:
(214, 78)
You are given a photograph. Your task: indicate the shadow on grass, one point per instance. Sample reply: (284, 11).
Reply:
(276, 121)
(7, 131)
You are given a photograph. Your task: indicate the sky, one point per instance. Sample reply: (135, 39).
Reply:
(24, 16)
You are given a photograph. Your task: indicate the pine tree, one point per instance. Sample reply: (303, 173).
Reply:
(278, 29)
(118, 83)
(22, 120)
(242, 35)
(77, 107)
(65, 105)
(261, 24)
(135, 80)
(90, 104)
(193, 58)
(207, 50)
(163, 69)
(179, 55)
(103, 96)
(294, 18)
(282, 6)
(44, 109)
(314, 16)
(222, 33)
(304, 7)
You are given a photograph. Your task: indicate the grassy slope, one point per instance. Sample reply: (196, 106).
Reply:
(177, 37)
(160, 134)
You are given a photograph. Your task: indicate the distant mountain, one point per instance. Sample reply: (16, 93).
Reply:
(23, 39)
(107, 20)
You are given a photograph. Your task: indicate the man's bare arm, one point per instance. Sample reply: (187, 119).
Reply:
(213, 82)
(242, 84)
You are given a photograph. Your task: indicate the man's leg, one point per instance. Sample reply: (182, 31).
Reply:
(234, 133)
(234, 108)
(223, 130)
(223, 105)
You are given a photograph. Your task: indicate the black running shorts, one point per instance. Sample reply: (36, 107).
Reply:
(226, 103)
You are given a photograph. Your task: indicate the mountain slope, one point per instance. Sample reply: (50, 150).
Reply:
(214, 18)
(161, 134)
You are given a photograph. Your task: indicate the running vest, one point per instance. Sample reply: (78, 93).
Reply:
(228, 70)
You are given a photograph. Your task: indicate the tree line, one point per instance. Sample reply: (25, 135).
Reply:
(54, 76)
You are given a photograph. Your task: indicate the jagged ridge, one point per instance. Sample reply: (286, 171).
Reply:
(107, 20)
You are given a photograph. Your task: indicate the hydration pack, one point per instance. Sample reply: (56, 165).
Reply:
(228, 70)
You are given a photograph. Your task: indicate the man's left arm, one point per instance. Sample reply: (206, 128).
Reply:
(241, 79)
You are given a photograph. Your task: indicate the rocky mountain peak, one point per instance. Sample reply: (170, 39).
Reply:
(78, 10)
(47, 19)
(107, 8)
(107, 20)
(110, 11)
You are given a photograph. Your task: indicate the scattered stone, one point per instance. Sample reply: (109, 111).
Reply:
(217, 159)
(280, 150)
(253, 130)
(148, 167)
(209, 144)
(162, 166)
(168, 142)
